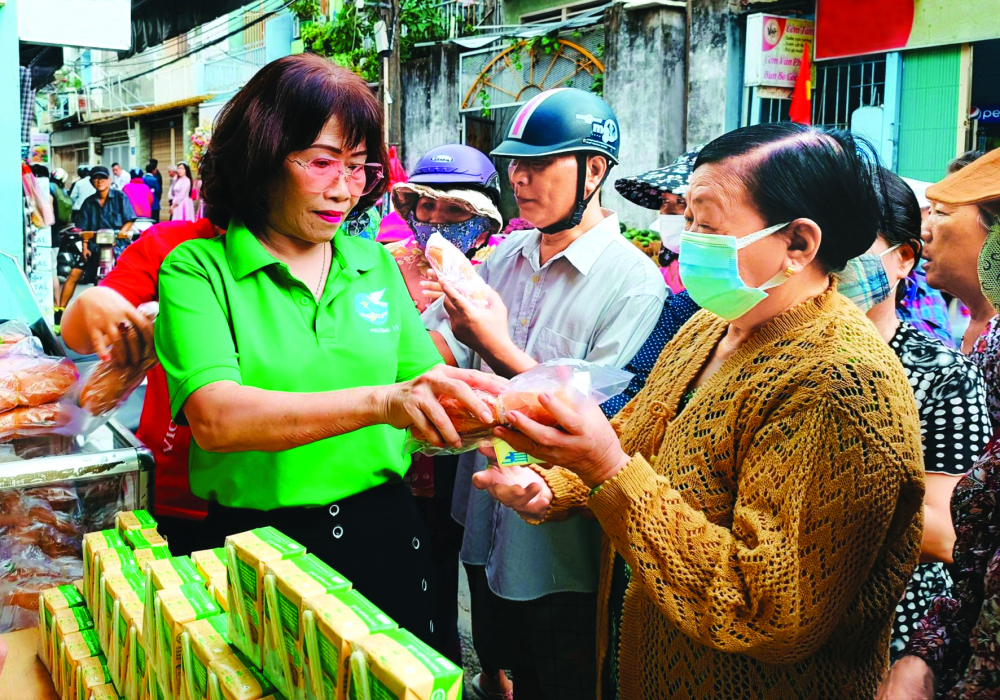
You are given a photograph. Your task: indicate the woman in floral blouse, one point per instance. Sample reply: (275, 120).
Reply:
(955, 649)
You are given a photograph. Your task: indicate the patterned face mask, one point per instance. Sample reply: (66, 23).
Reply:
(463, 236)
(989, 267)
(865, 282)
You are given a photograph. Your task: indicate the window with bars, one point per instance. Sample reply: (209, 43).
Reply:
(839, 88)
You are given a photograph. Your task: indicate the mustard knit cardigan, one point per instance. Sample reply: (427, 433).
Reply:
(772, 527)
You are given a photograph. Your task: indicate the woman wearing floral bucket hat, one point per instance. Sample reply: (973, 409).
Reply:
(454, 190)
(663, 190)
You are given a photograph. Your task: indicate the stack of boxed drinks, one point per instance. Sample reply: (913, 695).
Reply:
(258, 619)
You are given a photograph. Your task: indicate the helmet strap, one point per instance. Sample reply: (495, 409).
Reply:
(582, 202)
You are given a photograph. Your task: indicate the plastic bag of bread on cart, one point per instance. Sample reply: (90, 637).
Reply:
(12, 333)
(452, 267)
(32, 388)
(560, 377)
(106, 387)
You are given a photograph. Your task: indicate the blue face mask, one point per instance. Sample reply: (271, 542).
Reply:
(864, 280)
(463, 236)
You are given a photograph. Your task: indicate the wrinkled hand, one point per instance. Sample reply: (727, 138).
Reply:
(482, 329)
(586, 444)
(118, 331)
(519, 488)
(415, 403)
(910, 678)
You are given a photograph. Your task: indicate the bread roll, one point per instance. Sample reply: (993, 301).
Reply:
(465, 422)
(30, 421)
(33, 381)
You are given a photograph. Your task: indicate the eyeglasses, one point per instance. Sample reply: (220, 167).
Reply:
(324, 173)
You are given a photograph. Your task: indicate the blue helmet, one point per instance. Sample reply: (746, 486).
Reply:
(458, 165)
(564, 120)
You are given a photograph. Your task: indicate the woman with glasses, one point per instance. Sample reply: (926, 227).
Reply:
(293, 350)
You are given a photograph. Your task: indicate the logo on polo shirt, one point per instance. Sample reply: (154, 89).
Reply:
(371, 308)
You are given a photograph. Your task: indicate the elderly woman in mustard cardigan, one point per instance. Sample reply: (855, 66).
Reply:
(760, 498)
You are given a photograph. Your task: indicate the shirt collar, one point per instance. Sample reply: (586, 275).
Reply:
(246, 255)
(581, 253)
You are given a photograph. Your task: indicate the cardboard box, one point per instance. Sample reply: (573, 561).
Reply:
(210, 563)
(398, 666)
(203, 641)
(75, 648)
(287, 585)
(239, 680)
(90, 673)
(176, 607)
(330, 624)
(144, 539)
(51, 601)
(94, 542)
(247, 556)
(134, 520)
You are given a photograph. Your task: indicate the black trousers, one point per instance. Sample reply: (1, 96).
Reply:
(375, 539)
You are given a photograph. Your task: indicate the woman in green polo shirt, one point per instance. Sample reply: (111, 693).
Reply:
(293, 350)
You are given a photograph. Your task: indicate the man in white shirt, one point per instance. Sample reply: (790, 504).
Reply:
(119, 178)
(573, 288)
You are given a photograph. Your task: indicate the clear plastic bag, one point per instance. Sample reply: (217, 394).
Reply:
(29, 378)
(597, 383)
(11, 333)
(452, 267)
(107, 385)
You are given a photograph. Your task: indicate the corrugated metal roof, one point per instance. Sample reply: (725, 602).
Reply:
(153, 109)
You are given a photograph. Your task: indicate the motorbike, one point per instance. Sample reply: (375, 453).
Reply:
(108, 245)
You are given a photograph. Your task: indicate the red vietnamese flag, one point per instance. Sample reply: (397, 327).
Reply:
(801, 109)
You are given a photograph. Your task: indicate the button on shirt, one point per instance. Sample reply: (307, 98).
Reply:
(116, 212)
(598, 300)
(229, 311)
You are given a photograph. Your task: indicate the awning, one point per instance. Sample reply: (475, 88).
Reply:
(153, 109)
(155, 21)
(526, 31)
(42, 61)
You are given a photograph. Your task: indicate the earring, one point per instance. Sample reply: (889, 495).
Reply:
(790, 271)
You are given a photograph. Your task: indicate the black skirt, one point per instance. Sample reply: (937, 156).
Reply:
(375, 539)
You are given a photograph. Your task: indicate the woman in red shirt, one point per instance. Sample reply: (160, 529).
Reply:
(96, 323)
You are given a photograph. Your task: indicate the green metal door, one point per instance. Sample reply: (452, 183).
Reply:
(928, 112)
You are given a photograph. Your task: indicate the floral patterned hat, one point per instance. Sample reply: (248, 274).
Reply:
(647, 189)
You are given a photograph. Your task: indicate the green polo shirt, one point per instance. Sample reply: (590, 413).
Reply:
(230, 311)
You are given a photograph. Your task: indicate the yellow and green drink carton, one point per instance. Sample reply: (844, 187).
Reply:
(145, 557)
(50, 601)
(115, 585)
(75, 648)
(330, 624)
(210, 563)
(144, 539)
(203, 641)
(238, 679)
(94, 542)
(68, 621)
(248, 555)
(134, 520)
(104, 692)
(90, 673)
(395, 665)
(136, 686)
(175, 608)
(127, 611)
(288, 584)
(108, 561)
(163, 574)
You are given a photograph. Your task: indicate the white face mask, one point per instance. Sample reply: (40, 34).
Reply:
(670, 227)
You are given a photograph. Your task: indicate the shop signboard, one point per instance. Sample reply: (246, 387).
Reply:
(989, 114)
(38, 150)
(774, 50)
(858, 27)
(96, 24)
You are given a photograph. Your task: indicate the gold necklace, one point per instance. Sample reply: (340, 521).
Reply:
(322, 274)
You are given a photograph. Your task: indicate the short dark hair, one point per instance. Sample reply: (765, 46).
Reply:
(281, 110)
(39, 170)
(793, 171)
(114, 164)
(966, 158)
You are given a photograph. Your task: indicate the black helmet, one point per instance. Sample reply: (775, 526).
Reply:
(564, 121)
